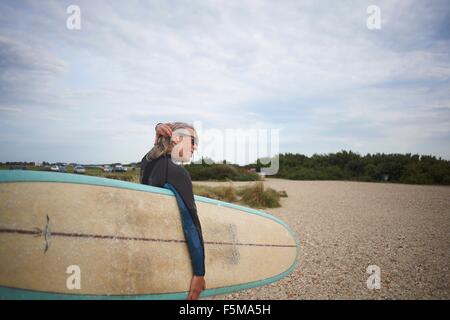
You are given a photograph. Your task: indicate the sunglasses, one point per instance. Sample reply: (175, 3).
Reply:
(194, 140)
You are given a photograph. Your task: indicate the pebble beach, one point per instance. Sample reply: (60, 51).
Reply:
(345, 227)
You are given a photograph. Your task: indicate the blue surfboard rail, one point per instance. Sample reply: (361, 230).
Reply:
(8, 176)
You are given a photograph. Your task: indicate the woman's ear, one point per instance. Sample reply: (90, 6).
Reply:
(176, 138)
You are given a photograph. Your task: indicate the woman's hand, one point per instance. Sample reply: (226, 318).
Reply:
(197, 286)
(162, 130)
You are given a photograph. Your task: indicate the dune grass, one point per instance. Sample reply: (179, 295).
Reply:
(224, 193)
(254, 195)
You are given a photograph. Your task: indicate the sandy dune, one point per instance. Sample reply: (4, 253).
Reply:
(343, 227)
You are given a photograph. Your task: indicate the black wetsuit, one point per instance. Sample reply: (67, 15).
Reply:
(162, 172)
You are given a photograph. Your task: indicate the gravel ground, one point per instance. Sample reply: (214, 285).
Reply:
(343, 227)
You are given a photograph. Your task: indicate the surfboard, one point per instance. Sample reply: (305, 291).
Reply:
(68, 236)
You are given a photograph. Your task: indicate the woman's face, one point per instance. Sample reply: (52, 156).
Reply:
(184, 147)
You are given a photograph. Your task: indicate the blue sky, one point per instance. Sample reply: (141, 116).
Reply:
(310, 69)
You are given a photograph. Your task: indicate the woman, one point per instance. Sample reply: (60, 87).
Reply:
(175, 143)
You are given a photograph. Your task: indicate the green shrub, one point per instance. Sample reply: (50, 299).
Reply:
(219, 172)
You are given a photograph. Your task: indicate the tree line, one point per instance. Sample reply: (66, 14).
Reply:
(347, 165)
(343, 165)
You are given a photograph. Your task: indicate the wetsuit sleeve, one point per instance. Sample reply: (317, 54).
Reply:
(164, 171)
(184, 187)
(192, 235)
(181, 180)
